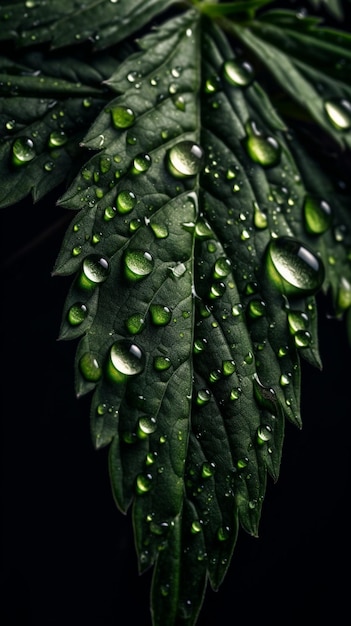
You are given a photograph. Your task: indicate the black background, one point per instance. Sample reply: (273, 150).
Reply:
(68, 554)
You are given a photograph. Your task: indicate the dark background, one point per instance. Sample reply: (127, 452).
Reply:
(68, 555)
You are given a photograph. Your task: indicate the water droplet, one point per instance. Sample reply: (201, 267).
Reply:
(196, 527)
(339, 113)
(256, 308)
(264, 434)
(109, 213)
(242, 463)
(122, 117)
(185, 159)
(262, 149)
(162, 363)
(126, 358)
(203, 396)
(222, 267)
(95, 270)
(223, 533)
(77, 313)
(293, 268)
(343, 300)
(228, 367)
(160, 315)
(126, 201)
(135, 324)
(217, 290)
(57, 139)
(238, 73)
(160, 230)
(297, 320)
(260, 218)
(146, 426)
(90, 368)
(207, 469)
(317, 214)
(199, 345)
(137, 264)
(302, 338)
(23, 151)
(143, 483)
(141, 163)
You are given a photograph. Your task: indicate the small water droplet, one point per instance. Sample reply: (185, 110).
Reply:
(196, 527)
(302, 338)
(238, 73)
(203, 396)
(135, 324)
(207, 469)
(317, 214)
(143, 483)
(264, 434)
(77, 313)
(160, 230)
(23, 151)
(126, 358)
(228, 367)
(162, 363)
(146, 426)
(126, 201)
(57, 139)
(160, 315)
(90, 367)
(222, 267)
(339, 113)
(138, 264)
(141, 163)
(109, 213)
(262, 149)
(293, 268)
(185, 159)
(223, 533)
(256, 308)
(122, 117)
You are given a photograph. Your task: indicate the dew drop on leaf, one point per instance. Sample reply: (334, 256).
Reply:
(160, 315)
(262, 149)
(160, 230)
(162, 363)
(77, 313)
(256, 308)
(141, 163)
(122, 117)
(238, 73)
(89, 367)
(137, 264)
(143, 483)
(264, 434)
(343, 299)
(339, 113)
(185, 159)
(95, 269)
(293, 268)
(126, 358)
(222, 267)
(146, 426)
(57, 139)
(23, 151)
(135, 324)
(317, 215)
(203, 396)
(126, 201)
(302, 338)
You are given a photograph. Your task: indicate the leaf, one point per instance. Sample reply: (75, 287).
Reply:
(305, 61)
(63, 22)
(42, 118)
(334, 7)
(191, 350)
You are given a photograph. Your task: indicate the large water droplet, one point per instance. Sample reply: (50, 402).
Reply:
(146, 426)
(185, 159)
(95, 269)
(238, 73)
(293, 268)
(23, 151)
(339, 113)
(137, 264)
(262, 149)
(317, 214)
(126, 358)
(122, 117)
(141, 163)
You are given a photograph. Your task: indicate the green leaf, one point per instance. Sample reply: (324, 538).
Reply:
(189, 340)
(304, 59)
(63, 22)
(44, 108)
